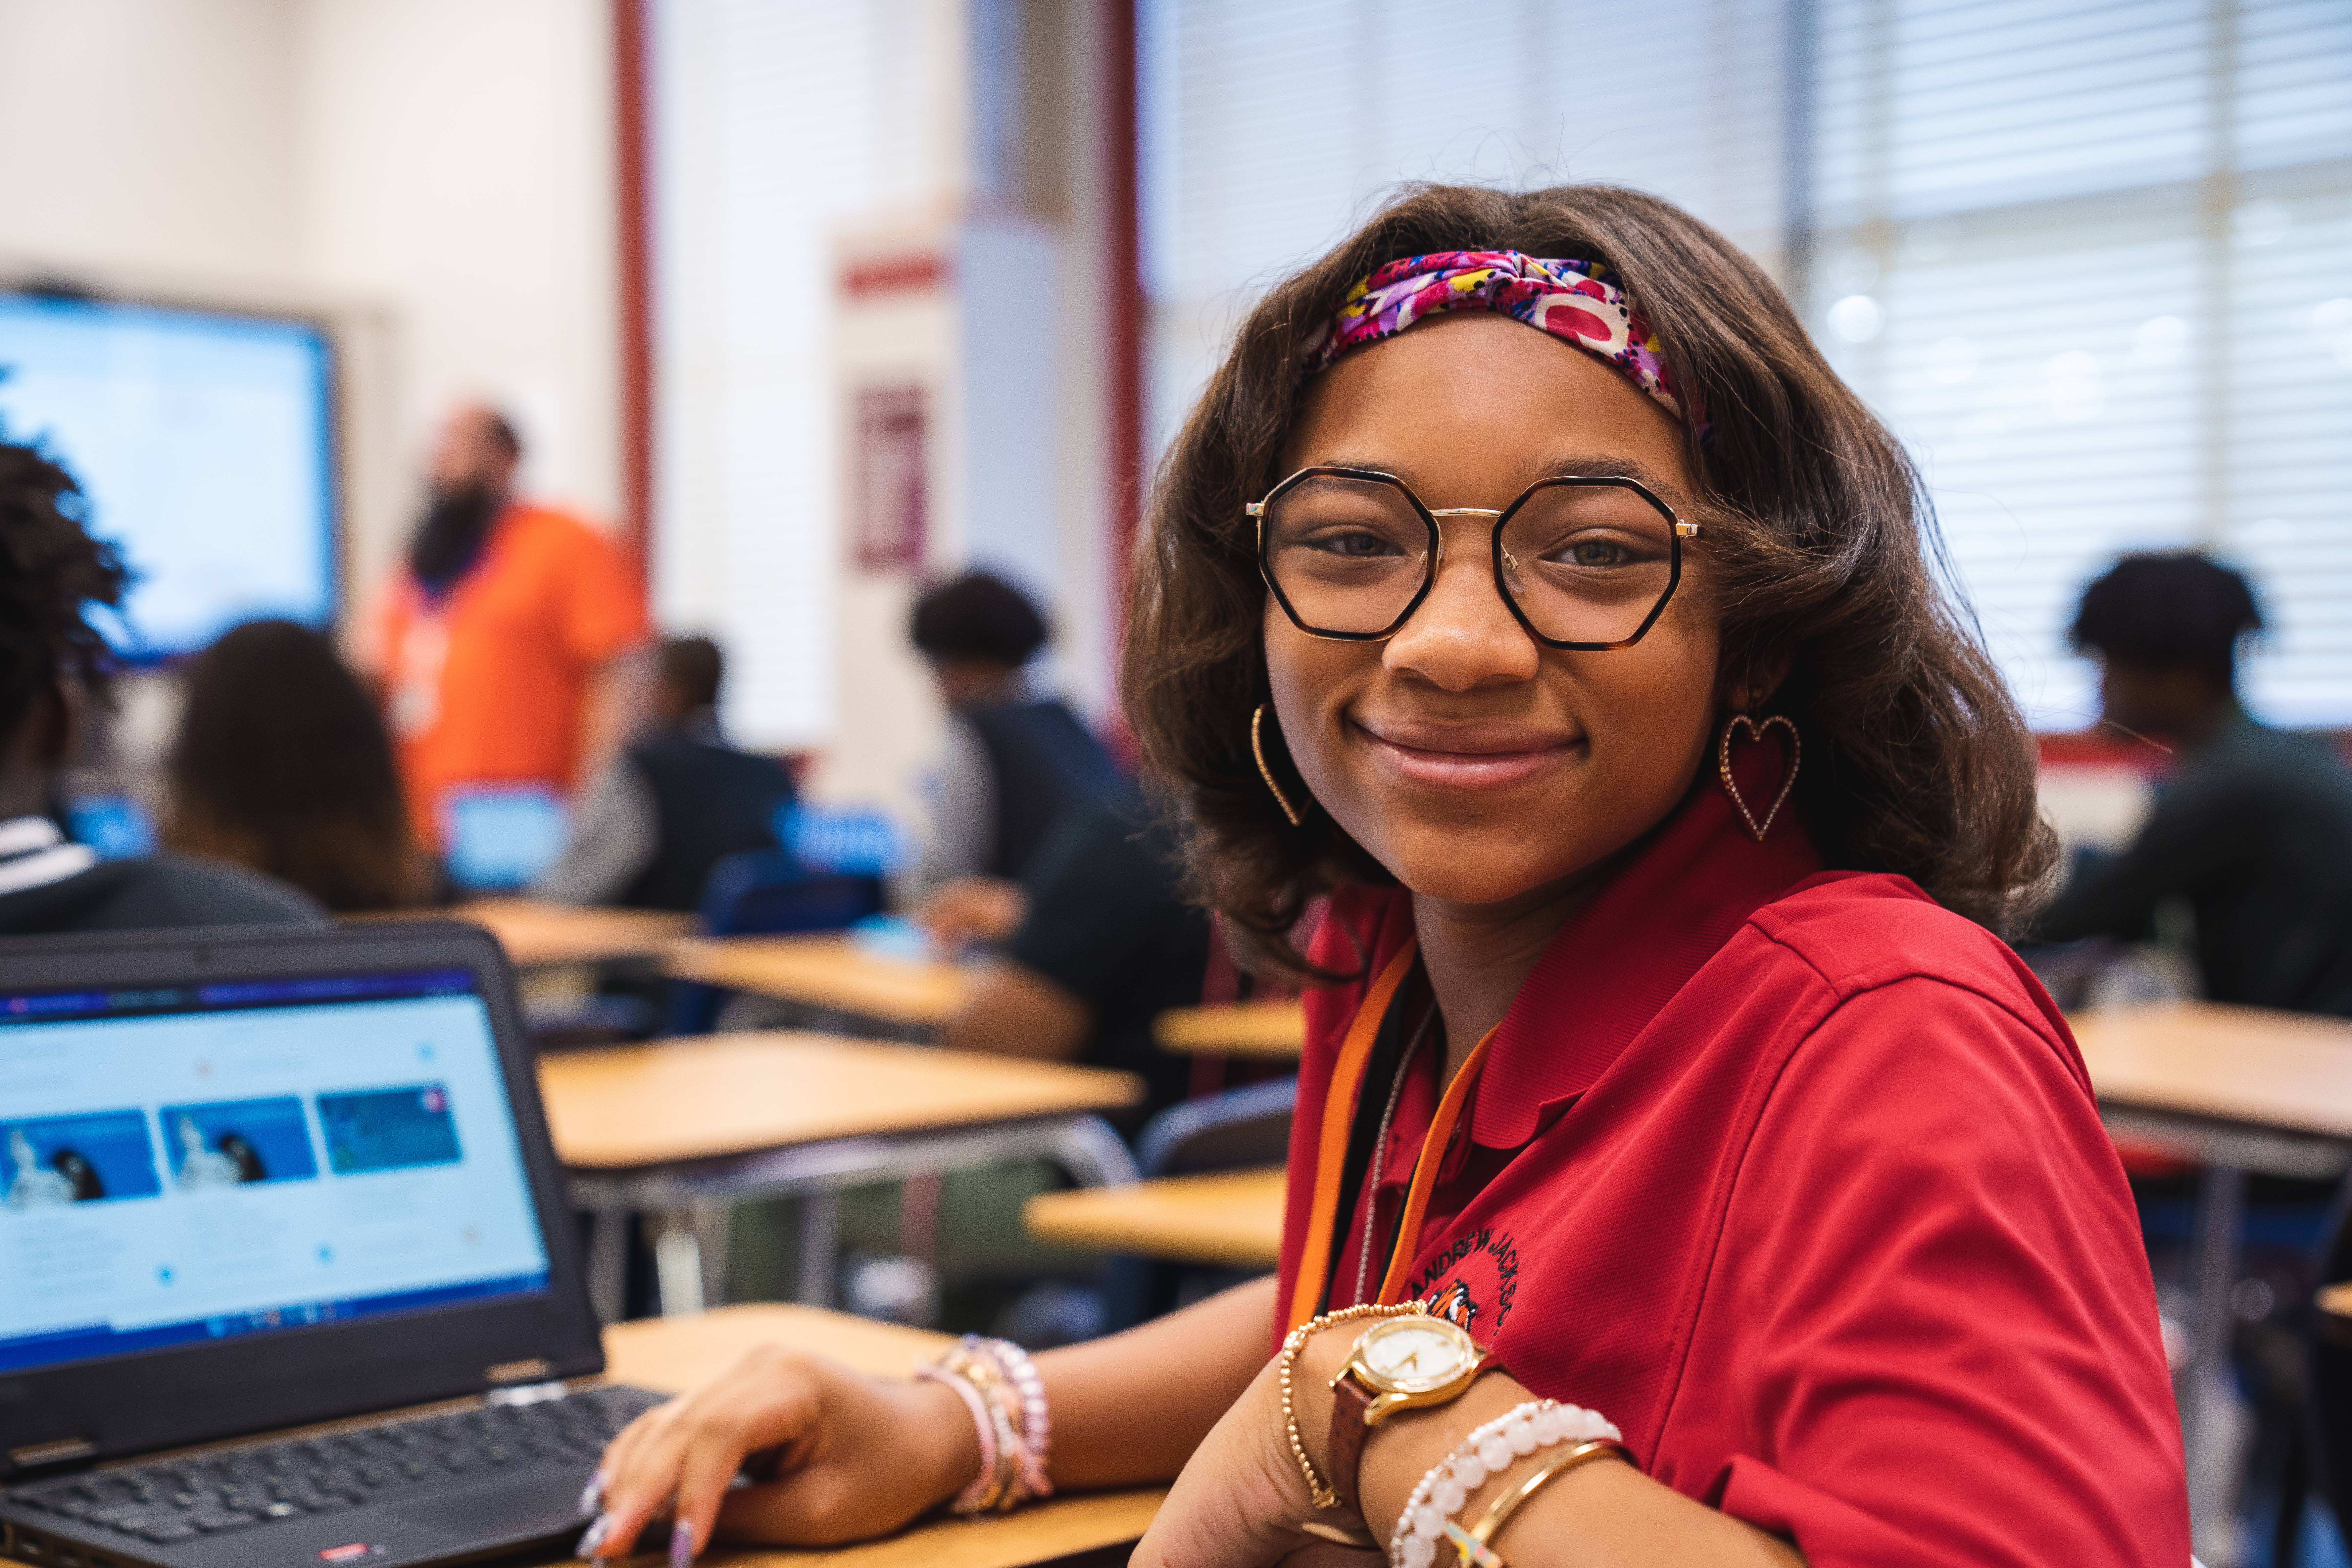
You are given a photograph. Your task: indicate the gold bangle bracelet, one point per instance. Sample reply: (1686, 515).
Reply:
(1319, 1491)
(1471, 1544)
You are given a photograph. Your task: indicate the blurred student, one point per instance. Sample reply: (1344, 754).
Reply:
(676, 803)
(502, 638)
(53, 674)
(1013, 762)
(282, 765)
(2255, 830)
(1102, 942)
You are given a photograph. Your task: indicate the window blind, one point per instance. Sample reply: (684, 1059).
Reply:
(771, 126)
(1269, 131)
(2093, 260)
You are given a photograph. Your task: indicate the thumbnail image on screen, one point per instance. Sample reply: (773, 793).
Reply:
(95, 1158)
(389, 1130)
(231, 1143)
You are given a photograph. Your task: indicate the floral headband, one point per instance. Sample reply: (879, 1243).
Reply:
(1580, 303)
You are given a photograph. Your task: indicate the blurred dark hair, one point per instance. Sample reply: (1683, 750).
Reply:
(694, 669)
(2169, 612)
(978, 616)
(51, 571)
(502, 432)
(1818, 547)
(283, 764)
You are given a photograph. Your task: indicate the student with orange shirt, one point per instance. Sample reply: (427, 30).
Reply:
(502, 639)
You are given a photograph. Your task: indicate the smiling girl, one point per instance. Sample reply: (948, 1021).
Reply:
(1682, 1174)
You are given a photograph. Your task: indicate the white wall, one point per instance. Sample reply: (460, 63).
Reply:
(433, 176)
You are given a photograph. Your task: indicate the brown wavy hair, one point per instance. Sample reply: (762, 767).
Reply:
(283, 764)
(1821, 546)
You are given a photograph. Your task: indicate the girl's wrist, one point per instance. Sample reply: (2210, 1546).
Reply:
(947, 1454)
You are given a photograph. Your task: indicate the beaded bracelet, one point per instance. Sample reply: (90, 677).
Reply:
(1447, 1486)
(1319, 1491)
(1001, 1387)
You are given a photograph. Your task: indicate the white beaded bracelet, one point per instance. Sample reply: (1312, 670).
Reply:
(1522, 1430)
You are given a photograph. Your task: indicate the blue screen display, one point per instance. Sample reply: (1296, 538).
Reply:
(204, 445)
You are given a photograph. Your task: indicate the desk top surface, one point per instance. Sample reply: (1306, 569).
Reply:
(1276, 1030)
(717, 1095)
(834, 972)
(536, 931)
(679, 1354)
(1231, 1217)
(2236, 1064)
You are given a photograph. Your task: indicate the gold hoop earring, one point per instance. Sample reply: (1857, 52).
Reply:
(1755, 731)
(1257, 750)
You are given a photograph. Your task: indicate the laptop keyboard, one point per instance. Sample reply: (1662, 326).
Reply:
(180, 1499)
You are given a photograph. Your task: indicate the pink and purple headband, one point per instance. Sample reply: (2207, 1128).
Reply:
(1577, 302)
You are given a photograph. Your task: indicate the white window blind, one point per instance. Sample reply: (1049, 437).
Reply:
(2093, 260)
(1269, 131)
(773, 125)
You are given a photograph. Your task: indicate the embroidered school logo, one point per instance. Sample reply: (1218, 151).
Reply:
(1473, 1281)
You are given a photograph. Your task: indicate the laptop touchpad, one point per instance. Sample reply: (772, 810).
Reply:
(536, 1505)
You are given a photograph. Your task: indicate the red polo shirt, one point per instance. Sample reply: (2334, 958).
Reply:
(1797, 1177)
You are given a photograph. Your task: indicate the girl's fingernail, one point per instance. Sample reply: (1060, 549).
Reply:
(592, 1495)
(681, 1544)
(595, 1536)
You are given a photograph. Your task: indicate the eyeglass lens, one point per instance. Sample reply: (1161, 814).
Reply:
(1585, 563)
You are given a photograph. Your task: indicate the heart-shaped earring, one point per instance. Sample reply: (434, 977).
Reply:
(1789, 781)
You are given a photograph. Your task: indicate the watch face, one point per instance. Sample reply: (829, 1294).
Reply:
(1412, 1355)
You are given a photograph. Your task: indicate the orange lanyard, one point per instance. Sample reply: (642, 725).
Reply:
(1331, 1149)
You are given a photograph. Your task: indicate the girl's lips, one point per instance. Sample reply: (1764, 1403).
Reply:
(1497, 762)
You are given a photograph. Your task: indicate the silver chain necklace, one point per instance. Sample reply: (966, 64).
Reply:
(1380, 1149)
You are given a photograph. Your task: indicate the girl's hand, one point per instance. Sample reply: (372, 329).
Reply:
(1241, 1500)
(834, 1456)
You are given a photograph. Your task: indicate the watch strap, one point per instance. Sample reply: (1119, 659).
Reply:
(1349, 1404)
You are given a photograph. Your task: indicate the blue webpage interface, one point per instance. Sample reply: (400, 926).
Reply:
(194, 1162)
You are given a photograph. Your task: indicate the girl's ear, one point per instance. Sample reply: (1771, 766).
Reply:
(1750, 685)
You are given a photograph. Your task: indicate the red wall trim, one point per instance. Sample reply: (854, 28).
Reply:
(1123, 261)
(629, 65)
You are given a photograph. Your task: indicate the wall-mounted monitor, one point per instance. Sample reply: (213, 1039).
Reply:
(204, 443)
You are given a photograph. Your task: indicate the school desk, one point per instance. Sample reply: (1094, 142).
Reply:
(1273, 1030)
(682, 1128)
(830, 973)
(2237, 1089)
(538, 934)
(683, 1353)
(1225, 1216)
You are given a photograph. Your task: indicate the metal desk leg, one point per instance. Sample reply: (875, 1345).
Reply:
(677, 1265)
(820, 1242)
(2208, 1423)
(608, 1262)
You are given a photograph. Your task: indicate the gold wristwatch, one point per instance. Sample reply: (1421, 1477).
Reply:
(1399, 1363)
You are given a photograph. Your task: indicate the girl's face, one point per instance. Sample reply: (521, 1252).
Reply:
(1474, 762)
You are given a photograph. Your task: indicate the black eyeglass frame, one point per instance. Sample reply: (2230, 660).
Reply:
(1677, 531)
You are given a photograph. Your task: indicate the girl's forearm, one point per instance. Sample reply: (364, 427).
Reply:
(1131, 1407)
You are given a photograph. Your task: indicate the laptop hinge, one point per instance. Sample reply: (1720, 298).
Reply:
(534, 1370)
(64, 1451)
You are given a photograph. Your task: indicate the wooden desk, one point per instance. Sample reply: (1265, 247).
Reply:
(2237, 1089)
(835, 973)
(684, 1127)
(1230, 1216)
(1274, 1030)
(679, 1353)
(537, 933)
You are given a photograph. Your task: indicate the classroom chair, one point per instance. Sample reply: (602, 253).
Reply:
(768, 892)
(1236, 1130)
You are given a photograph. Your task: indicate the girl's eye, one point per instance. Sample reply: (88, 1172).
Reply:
(1354, 545)
(1596, 553)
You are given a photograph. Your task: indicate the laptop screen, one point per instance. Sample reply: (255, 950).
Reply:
(191, 1162)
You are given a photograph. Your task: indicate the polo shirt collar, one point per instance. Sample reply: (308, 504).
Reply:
(1620, 959)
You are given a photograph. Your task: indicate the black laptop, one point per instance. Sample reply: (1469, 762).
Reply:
(286, 1272)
